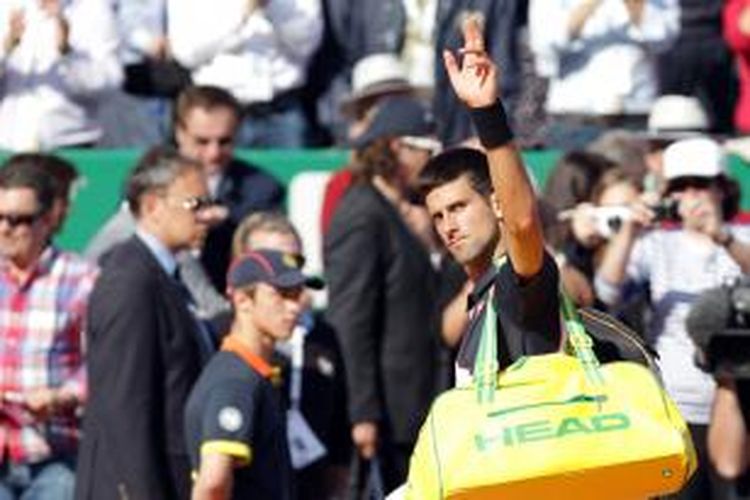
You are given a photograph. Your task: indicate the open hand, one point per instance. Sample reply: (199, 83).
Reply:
(701, 214)
(252, 5)
(159, 50)
(16, 29)
(365, 438)
(53, 8)
(475, 79)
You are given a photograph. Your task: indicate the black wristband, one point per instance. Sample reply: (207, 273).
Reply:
(492, 126)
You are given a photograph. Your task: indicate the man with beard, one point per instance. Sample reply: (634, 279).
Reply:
(483, 206)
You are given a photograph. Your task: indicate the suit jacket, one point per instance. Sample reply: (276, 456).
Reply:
(143, 357)
(244, 189)
(383, 306)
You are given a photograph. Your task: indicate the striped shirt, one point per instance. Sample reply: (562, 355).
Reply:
(41, 346)
(676, 271)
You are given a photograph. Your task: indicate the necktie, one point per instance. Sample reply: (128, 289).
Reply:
(205, 338)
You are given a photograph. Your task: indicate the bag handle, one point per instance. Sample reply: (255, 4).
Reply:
(485, 362)
(579, 340)
(486, 365)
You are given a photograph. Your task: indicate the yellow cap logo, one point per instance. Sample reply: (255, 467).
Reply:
(289, 260)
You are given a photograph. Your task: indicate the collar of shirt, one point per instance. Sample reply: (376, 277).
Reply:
(232, 344)
(481, 287)
(160, 252)
(41, 267)
(214, 181)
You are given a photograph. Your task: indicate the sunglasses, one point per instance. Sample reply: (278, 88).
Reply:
(16, 220)
(689, 182)
(197, 203)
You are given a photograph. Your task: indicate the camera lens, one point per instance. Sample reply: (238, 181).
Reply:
(614, 223)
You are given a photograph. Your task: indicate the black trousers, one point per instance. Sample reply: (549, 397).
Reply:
(702, 67)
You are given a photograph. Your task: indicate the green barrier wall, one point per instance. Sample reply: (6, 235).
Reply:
(104, 171)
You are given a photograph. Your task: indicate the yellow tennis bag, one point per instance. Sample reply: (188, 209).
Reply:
(554, 426)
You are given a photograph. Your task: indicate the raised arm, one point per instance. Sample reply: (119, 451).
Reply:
(475, 82)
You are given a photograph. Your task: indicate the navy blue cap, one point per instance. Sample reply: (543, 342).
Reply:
(278, 269)
(398, 116)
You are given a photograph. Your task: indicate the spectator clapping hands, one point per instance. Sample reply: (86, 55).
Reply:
(53, 8)
(16, 28)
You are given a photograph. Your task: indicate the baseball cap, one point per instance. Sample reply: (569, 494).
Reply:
(697, 157)
(398, 116)
(275, 268)
(373, 76)
(675, 117)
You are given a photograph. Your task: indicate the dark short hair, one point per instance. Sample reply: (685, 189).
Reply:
(206, 97)
(731, 194)
(63, 173)
(453, 164)
(156, 170)
(28, 171)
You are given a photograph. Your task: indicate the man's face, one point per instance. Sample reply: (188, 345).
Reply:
(179, 211)
(412, 160)
(699, 200)
(24, 231)
(275, 311)
(265, 239)
(464, 220)
(207, 135)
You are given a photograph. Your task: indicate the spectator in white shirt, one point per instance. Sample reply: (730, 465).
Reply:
(675, 264)
(599, 56)
(139, 114)
(256, 49)
(56, 58)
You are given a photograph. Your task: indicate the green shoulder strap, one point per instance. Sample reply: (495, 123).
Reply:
(579, 340)
(486, 366)
(485, 362)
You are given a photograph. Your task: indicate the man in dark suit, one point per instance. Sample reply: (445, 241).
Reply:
(143, 343)
(206, 122)
(383, 290)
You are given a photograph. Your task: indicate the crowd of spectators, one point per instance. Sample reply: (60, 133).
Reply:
(639, 96)
(95, 72)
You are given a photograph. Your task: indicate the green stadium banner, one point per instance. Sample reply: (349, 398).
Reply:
(103, 173)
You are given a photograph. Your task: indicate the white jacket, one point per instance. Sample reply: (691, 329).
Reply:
(254, 57)
(48, 100)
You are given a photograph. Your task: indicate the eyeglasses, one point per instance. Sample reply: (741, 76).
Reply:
(680, 184)
(197, 203)
(16, 220)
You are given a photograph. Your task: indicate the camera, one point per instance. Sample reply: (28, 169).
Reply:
(608, 219)
(719, 324)
(667, 210)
